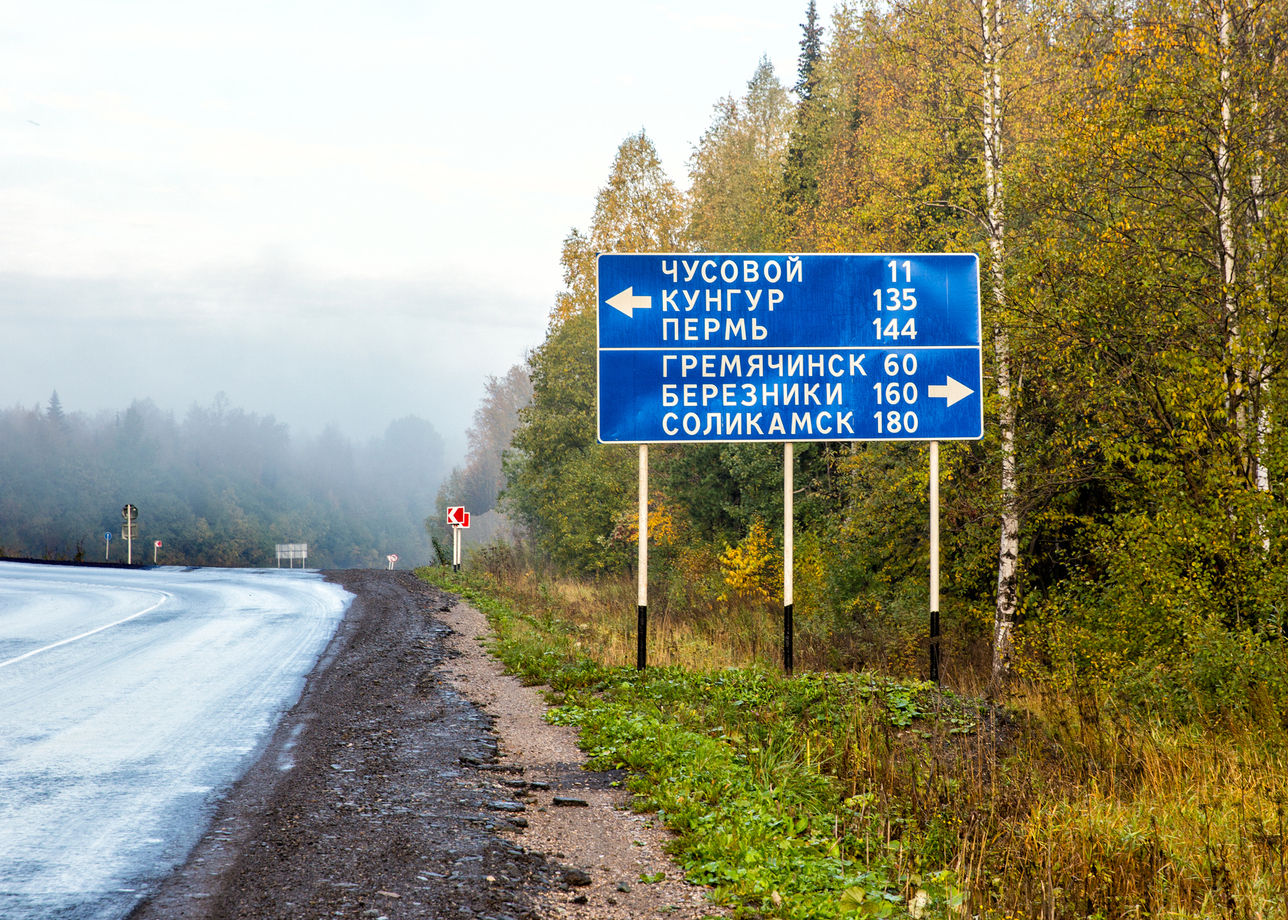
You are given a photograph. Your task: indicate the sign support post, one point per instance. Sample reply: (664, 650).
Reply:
(789, 554)
(718, 348)
(130, 515)
(641, 626)
(934, 561)
(107, 550)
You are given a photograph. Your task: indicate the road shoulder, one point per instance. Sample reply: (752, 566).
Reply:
(414, 779)
(617, 856)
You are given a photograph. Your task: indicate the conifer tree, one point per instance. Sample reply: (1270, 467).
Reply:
(800, 178)
(55, 413)
(811, 53)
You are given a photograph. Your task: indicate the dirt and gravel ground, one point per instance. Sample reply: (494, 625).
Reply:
(415, 780)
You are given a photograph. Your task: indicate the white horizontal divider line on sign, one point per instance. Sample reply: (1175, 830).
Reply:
(134, 616)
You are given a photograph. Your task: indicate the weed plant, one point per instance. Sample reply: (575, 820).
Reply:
(862, 795)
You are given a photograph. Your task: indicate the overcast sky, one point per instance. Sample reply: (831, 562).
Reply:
(333, 212)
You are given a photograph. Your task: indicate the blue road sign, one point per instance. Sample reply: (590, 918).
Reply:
(755, 347)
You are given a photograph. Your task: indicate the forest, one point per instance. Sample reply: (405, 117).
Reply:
(1119, 170)
(221, 487)
(1109, 736)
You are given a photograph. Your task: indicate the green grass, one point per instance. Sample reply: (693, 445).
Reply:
(718, 756)
(862, 795)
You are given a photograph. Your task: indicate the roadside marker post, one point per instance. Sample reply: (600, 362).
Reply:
(107, 551)
(761, 347)
(156, 548)
(459, 518)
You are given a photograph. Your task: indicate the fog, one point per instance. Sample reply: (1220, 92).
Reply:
(339, 216)
(351, 354)
(217, 486)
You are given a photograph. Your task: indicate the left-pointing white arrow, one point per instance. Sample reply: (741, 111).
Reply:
(627, 301)
(953, 391)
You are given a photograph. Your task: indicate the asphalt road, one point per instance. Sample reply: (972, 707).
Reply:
(130, 701)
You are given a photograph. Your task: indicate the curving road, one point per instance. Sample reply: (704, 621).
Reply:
(130, 700)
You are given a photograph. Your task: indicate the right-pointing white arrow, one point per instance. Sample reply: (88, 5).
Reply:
(953, 391)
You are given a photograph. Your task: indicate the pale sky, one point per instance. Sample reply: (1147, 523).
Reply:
(333, 212)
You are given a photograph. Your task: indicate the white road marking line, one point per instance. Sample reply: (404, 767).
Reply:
(164, 597)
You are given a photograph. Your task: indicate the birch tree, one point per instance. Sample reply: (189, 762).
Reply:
(736, 170)
(566, 486)
(975, 41)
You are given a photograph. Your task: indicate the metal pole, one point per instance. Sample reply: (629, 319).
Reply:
(934, 561)
(641, 625)
(788, 552)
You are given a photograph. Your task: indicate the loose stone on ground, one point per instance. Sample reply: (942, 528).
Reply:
(423, 783)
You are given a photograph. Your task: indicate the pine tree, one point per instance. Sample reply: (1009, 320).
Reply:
(55, 413)
(800, 178)
(811, 53)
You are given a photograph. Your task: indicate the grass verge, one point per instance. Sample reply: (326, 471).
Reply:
(718, 757)
(859, 795)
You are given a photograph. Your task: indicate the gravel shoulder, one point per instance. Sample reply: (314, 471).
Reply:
(414, 780)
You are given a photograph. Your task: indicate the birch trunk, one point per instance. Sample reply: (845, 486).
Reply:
(1261, 370)
(1009, 544)
(1235, 374)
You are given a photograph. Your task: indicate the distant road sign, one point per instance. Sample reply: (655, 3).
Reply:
(291, 552)
(457, 516)
(108, 535)
(130, 513)
(821, 347)
(157, 544)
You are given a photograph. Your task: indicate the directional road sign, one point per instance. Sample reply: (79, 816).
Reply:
(457, 516)
(820, 347)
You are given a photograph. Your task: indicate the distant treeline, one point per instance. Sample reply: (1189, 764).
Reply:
(220, 487)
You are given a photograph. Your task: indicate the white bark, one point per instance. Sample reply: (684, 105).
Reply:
(1008, 555)
(1235, 375)
(1248, 384)
(1261, 472)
